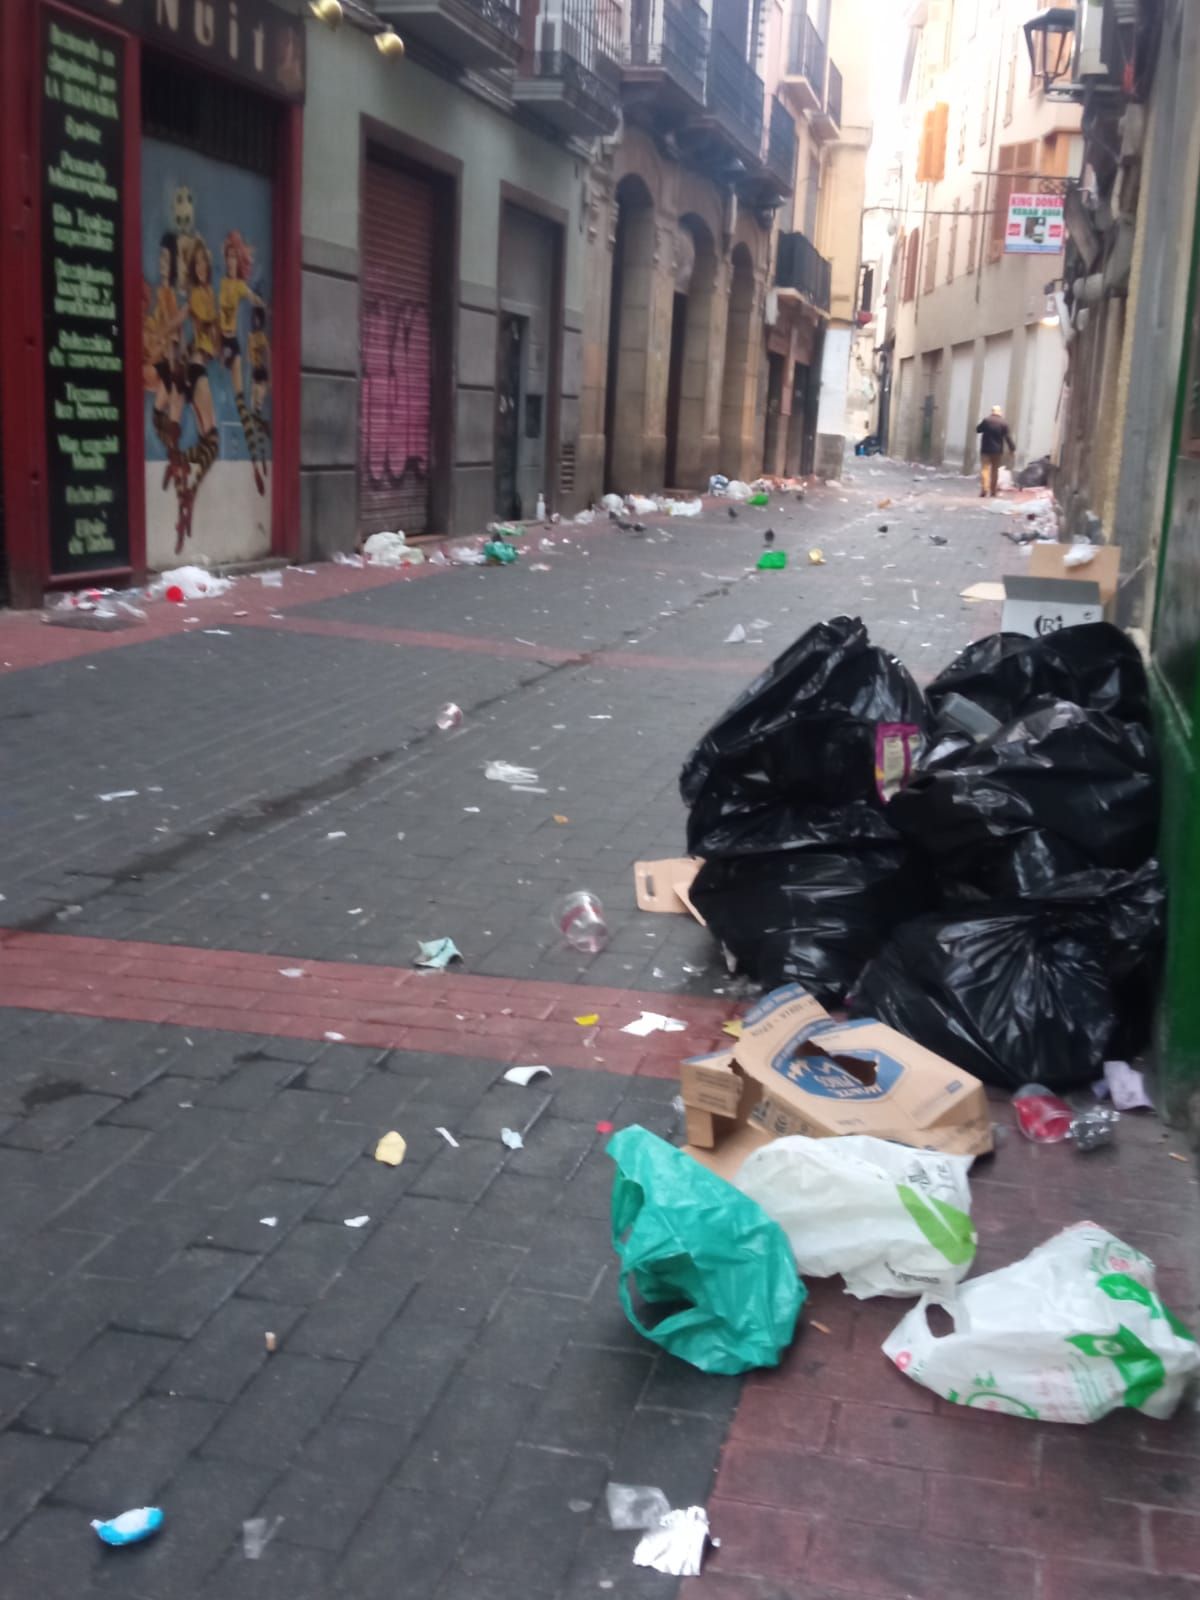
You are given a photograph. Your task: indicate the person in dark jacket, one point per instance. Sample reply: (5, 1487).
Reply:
(993, 441)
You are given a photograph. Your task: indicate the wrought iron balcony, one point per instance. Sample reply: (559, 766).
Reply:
(781, 146)
(572, 80)
(827, 122)
(806, 57)
(735, 97)
(800, 267)
(669, 38)
(475, 33)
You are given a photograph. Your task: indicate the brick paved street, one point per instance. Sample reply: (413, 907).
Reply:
(454, 1381)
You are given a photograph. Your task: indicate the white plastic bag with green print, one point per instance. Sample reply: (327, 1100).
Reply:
(890, 1219)
(1070, 1333)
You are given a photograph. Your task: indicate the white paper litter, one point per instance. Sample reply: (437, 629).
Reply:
(257, 1534)
(117, 794)
(271, 579)
(641, 505)
(735, 489)
(511, 1139)
(391, 550)
(335, 1038)
(1127, 1087)
(676, 1545)
(613, 502)
(448, 1136)
(341, 559)
(524, 1076)
(339, 833)
(506, 772)
(585, 517)
(1079, 555)
(635, 1506)
(683, 508)
(356, 1222)
(269, 1222)
(653, 1022)
(195, 582)
(291, 972)
(465, 555)
(218, 633)
(736, 634)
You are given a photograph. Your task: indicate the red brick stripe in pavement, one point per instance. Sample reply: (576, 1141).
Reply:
(459, 1014)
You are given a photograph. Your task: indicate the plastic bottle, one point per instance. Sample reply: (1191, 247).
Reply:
(579, 917)
(541, 508)
(449, 717)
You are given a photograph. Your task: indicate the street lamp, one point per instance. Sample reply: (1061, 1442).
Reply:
(1049, 37)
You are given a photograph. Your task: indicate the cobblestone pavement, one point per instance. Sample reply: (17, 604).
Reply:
(454, 1382)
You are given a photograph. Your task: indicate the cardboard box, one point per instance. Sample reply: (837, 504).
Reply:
(664, 885)
(1037, 606)
(1103, 569)
(796, 1070)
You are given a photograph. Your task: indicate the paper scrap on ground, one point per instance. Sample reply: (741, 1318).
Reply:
(269, 1222)
(357, 1222)
(193, 583)
(733, 1029)
(438, 954)
(335, 1038)
(511, 1139)
(391, 1149)
(1127, 1087)
(118, 794)
(736, 634)
(291, 972)
(677, 1545)
(338, 833)
(257, 1534)
(653, 1022)
(272, 579)
(983, 591)
(524, 1076)
(589, 1020)
(506, 772)
(448, 1136)
(635, 1506)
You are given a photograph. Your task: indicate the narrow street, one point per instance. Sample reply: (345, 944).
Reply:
(227, 830)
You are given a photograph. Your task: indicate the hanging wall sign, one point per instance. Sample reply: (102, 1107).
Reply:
(1035, 225)
(82, 162)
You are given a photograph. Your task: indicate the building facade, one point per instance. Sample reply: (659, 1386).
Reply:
(974, 321)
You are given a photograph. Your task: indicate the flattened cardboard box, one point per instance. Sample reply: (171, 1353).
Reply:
(664, 885)
(1103, 569)
(796, 1070)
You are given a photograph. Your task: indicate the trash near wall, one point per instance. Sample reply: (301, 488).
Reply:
(1070, 1333)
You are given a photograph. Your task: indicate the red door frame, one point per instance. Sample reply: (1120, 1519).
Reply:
(22, 354)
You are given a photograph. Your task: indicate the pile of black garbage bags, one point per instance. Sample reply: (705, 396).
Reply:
(973, 864)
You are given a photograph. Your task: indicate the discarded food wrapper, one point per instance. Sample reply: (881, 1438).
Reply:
(194, 583)
(437, 954)
(635, 1506)
(772, 561)
(1070, 1333)
(1127, 1087)
(257, 1534)
(524, 1076)
(130, 1527)
(664, 885)
(589, 1020)
(391, 1149)
(653, 1022)
(511, 1139)
(892, 1221)
(391, 550)
(690, 1242)
(677, 1545)
(1093, 1130)
(816, 557)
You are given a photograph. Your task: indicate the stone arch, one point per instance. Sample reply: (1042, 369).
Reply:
(740, 374)
(692, 395)
(629, 334)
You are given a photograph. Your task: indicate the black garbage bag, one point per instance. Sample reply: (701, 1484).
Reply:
(813, 913)
(1041, 990)
(1093, 665)
(1054, 792)
(832, 721)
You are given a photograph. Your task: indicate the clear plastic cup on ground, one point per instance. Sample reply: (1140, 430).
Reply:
(579, 917)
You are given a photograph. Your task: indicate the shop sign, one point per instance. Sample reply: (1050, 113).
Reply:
(247, 39)
(1035, 225)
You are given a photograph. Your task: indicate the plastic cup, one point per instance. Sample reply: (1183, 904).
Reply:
(579, 917)
(449, 717)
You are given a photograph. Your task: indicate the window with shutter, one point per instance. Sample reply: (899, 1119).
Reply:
(933, 237)
(1015, 171)
(911, 255)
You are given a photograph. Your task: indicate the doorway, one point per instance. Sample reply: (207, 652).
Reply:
(774, 423)
(527, 380)
(509, 363)
(628, 337)
(737, 396)
(679, 320)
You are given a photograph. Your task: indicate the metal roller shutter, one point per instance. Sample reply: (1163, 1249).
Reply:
(397, 356)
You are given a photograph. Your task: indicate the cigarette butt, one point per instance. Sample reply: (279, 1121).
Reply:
(271, 1342)
(819, 1326)
(1175, 1156)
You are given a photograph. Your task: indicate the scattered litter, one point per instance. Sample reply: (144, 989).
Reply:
(816, 557)
(579, 917)
(511, 1139)
(584, 517)
(759, 499)
(891, 1220)
(499, 554)
(653, 1022)
(472, 810)
(218, 633)
(676, 1546)
(1173, 1155)
(1070, 1333)
(291, 972)
(271, 1341)
(718, 483)
(683, 1235)
(613, 504)
(1079, 555)
(131, 1526)
(938, 538)
(588, 1021)
(448, 1136)
(1095, 1129)
(96, 609)
(883, 504)
(391, 550)
(338, 833)
(524, 1076)
(820, 1327)
(269, 1222)
(354, 911)
(335, 1038)
(342, 559)
(1042, 1116)
(736, 634)
(117, 794)
(733, 1028)
(192, 583)
(735, 489)
(466, 555)
(271, 579)
(560, 819)
(539, 566)
(641, 505)
(600, 716)
(356, 1222)
(578, 1507)
(506, 772)
(1127, 1087)
(437, 954)
(683, 508)
(608, 1127)
(257, 1534)
(635, 1506)
(772, 561)
(391, 1149)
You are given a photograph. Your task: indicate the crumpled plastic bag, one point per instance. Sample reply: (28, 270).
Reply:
(891, 1220)
(391, 550)
(1016, 991)
(710, 1259)
(1070, 1333)
(1095, 665)
(1056, 791)
(676, 1546)
(194, 583)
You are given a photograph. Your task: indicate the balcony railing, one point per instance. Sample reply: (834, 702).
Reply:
(572, 78)
(799, 266)
(735, 94)
(673, 35)
(833, 96)
(476, 33)
(781, 143)
(807, 53)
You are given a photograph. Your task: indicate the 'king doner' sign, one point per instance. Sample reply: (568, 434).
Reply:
(1035, 225)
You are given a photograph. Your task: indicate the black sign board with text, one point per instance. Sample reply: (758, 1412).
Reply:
(82, 177)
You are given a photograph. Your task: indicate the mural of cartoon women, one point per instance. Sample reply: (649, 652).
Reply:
(239, 262)
(202, 309)
(162, 371)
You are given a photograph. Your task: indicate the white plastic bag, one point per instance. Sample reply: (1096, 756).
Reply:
(890, 1219)
(195, 582)
(391, 550)
(1070, 1333)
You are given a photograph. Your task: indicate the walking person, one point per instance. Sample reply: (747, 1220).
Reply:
(994, 440)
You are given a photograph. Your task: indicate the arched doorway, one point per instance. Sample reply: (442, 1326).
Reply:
(689, 423)
(629, 337)
(737, 397)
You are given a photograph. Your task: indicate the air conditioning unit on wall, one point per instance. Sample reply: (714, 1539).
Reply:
(1091, 40)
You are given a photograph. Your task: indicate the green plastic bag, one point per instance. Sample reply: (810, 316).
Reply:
(772, 560)
(685, 1235)
(499, 553)
(759, 499)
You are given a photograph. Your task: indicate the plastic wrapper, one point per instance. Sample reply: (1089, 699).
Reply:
(1070, 1333)
(676, 1546)
(131, 1527)
(1094, 665)
(1056, 791)
(714, 1274)
(832, 720)
(892, 1221)
(1038, 990)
